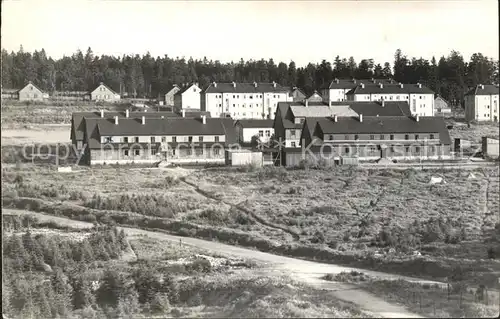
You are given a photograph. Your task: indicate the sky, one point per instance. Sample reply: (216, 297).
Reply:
(302, 31)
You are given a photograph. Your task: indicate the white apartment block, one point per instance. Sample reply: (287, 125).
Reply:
(338, 88)
(481, 103)
(419, 97)
(243, 100)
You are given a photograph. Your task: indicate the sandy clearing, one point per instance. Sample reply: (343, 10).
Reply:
(38, 134)
(305, 271)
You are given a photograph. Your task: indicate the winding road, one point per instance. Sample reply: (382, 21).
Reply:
(307, 272)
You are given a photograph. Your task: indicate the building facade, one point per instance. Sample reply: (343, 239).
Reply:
(31, 93)
(188, 98)
(337, 89)
(243, 100)
(247, 129)
(481, 103)
(373, 138)
(297, 95)
(441, 106)
(169, 96)
(104, 93)
(419, 97)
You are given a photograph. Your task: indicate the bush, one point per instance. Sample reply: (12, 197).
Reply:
(199, 265)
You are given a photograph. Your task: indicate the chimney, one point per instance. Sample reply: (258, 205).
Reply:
(255, 84)
(102, 113)
(116, 120)
(380, 85)
(101, 83)
(401, 85)
(234, 84)
(337, 81)
(204, 119)
(307, 103)
(360, 118)
(382, 102)
(373, 80)
(143, 120)
(481, 86)
(126, 113)
(417, 118)
(274, 84)
(335, 119)
(419, 85)
(330, 103)
(362, 85)
(183, 113)
(215, 84)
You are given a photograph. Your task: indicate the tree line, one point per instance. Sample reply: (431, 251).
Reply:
(146, 76)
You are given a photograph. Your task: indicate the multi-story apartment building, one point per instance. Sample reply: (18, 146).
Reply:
(420, 98)
(481, 103)
(243, 100)
(373, 138)
(188, 98)
(338, 88)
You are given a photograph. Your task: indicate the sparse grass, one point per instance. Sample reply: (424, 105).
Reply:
(342, 215)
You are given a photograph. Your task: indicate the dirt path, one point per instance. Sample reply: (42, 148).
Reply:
(240, 207)
(305, 271)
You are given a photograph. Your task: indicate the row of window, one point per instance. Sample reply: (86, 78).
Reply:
(237, 96)
(189, 152)
(381, 137)
(125, 139)
(374, 149)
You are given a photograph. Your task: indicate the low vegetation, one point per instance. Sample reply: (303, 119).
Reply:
(89, 277)
(455, 300)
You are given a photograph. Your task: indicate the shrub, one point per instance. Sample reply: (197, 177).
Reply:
(199, 265)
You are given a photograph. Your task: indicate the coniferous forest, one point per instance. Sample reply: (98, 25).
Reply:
(148, 76)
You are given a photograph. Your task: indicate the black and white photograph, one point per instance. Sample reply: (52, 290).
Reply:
(250, 159)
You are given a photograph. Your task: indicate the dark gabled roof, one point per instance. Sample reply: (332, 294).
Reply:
(245, 88)
(397, 108)
(389, 124)
(77, 126)
(486, 89)
(158, 126)
(352, 83)
(229, 128)
(390, 89)
(255, 123)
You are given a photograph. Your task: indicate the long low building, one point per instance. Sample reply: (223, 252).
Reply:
(151, 137)
(330, 139)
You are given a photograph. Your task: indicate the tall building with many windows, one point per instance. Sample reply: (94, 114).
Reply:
(243, 100)
(481, 103)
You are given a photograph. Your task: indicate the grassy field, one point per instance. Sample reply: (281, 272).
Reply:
(19, 114)
(162, 280)
(434, 301)
(370, 219)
